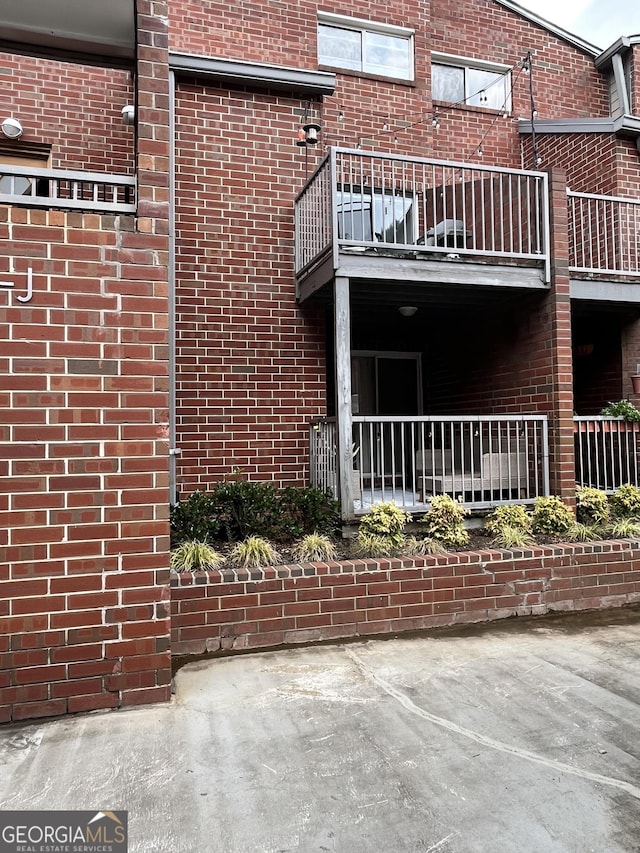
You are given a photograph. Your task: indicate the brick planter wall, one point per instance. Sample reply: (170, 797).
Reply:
(300, 604)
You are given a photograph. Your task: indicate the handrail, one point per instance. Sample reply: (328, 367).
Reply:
(363, 200)
(66, 189)
(604, 234)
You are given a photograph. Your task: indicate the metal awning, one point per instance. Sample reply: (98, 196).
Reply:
(92, 28)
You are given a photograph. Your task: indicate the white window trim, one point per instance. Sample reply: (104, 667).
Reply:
(361, 24)
(471, 62)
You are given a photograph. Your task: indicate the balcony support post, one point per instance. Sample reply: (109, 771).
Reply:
(560, 364)
(342, 338)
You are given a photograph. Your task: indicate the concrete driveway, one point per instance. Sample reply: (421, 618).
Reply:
(520, 737)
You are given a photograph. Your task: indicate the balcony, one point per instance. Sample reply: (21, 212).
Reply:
(361, 210)
(59, 189)
(604, 236)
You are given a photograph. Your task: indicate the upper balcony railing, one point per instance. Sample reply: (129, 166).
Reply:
(65, 190)
(358, 200)
(604, 234)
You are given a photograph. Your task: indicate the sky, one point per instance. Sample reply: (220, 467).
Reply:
(600, 22)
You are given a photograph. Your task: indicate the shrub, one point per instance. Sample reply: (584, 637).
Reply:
(194, 519)
(422, 546)
(625, 502)
(552, 516)
(444, 522)
(377, 545)
(253, 553)
(246, 508)
(193, 556)
(622, 409)
(592, 506)
(514, 516)
(582, 532)
(507, 536)
(385, 519)
(309, 511)
(314, 548)
(235, 510)
(381, 531)
(624, 528)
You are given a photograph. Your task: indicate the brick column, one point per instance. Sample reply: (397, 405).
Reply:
(558, 308)
(145, 671)
(84, 578)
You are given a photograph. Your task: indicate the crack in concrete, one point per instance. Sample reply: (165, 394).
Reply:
(486, 740)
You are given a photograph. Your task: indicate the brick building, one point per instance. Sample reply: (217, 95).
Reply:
(400, 240)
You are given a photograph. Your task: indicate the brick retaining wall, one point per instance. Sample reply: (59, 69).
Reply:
(328, 601)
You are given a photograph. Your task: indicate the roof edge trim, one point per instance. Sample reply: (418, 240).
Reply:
(265, 76)
(626, 125)
(585, 46)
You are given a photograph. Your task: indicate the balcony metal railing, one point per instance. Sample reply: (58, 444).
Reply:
(65, 190)
(359, 200)
(606, 451)
(483, 461)
(604, 234)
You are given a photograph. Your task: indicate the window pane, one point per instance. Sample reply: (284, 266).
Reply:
(447, 83)
(15, 185)
(487, 89)
(339, 47)
(387, 55)
(354, 216)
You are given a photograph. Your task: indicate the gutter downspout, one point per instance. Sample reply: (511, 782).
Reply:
(174, 451)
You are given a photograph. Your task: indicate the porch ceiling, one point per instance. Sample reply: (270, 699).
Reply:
(375, 297)
(79, 27)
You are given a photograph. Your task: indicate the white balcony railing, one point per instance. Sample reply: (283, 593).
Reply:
(358, 200)
(606, 451)
(64, 190)
(483, 461)
(604, 234)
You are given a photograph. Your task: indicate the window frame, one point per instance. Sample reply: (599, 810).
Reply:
(368, 207)
(363, 28)
(466, 64)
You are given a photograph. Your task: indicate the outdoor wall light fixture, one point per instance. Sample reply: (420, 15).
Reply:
(311, 133)
(407, 310)
(128, 114)
(12, 128)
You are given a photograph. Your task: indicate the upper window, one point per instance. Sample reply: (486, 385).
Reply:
(469, 82)
(364, 46)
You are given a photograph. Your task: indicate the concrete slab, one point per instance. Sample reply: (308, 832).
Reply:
(516, 737)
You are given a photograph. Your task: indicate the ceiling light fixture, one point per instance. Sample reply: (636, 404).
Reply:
(407, 310)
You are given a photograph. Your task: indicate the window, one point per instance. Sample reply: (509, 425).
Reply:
(15, 184)
(457, 81)
(364, 46)
(376, 216)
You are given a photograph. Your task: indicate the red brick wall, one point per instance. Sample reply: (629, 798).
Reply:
(84, 620)
(589, 159)
(594, 162)
(302, 604)
(73, 108)
(566, 82)
(251, 363)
